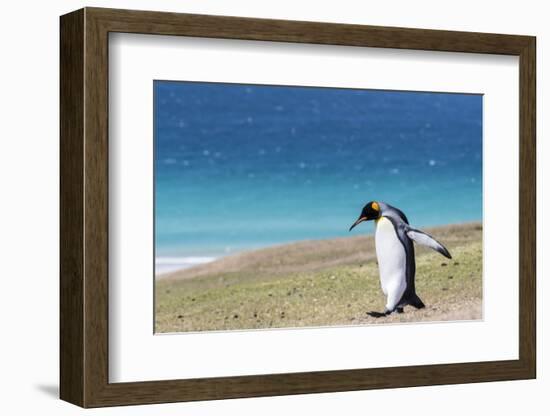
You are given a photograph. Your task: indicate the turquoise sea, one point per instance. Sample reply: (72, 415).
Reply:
(239, 167)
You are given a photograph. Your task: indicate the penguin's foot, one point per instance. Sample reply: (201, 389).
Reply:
(399, 310)
(375, 314)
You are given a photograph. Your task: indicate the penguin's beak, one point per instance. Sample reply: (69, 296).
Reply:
(359, 220)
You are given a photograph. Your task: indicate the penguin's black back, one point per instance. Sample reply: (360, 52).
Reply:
(409, 296)
(401, 214)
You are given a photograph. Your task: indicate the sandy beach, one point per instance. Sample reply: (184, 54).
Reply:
(319, 283)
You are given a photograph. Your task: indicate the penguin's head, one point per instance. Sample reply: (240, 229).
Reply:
(371, 211)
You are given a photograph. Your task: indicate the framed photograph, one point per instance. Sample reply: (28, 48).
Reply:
(254, 207)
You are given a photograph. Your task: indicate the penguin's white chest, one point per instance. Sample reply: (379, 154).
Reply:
(392, 259)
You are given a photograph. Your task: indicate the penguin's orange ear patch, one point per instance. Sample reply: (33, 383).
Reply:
(375, 206)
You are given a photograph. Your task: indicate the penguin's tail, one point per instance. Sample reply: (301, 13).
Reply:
(415, 301)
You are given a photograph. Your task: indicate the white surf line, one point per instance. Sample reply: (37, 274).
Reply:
(166, 265)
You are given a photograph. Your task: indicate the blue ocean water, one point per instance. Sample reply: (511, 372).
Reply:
(243, 166)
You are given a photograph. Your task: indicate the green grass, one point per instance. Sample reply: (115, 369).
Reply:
(321, 291)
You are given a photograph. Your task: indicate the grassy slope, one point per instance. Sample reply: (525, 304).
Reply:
(319, 283)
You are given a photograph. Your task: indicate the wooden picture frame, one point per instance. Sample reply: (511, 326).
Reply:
(84, 207)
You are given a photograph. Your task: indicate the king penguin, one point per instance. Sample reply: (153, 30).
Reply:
(395, 254)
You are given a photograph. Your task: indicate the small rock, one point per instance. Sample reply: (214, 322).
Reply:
(180, 316)
(443, 264)
(332, 277)
(192, 299)
(236, 316)
(255, 315)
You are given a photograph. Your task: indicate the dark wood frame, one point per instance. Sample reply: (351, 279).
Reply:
(84, 207)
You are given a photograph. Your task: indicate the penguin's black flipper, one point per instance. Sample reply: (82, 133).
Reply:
(427, 240)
